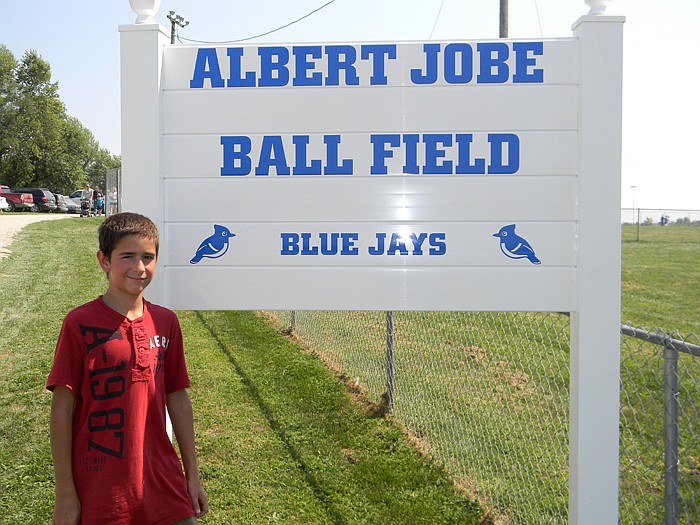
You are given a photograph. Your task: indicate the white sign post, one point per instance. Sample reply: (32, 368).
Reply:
(595, 323)
(394, 176)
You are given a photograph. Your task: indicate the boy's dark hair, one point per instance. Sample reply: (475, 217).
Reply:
(117, 226)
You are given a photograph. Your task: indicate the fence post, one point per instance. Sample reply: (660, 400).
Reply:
(293, 321)
(670, 435)
(141, 49)
(594, 430)
(390, 358)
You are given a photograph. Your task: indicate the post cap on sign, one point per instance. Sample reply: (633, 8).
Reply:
(597, 6)
(145, 9)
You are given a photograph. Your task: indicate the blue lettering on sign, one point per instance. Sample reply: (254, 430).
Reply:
(524, 61)
(322, 244)
(207, 67)
(504, 155)
(455, 63)
(302, 56)
(237, 161)
(337, 65)
(236, 78)
(345, 243)
(493, 68)
(280, 68)
(273, 66)
(274, 155)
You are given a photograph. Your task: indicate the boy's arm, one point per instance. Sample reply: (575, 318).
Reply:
(180, 410)
(67, 508)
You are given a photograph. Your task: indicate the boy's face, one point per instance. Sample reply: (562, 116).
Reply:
(131, 266)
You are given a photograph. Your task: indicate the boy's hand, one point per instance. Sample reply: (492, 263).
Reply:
(66, 511)
(198, 497)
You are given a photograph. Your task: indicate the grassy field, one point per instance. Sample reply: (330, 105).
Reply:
(661, 278)
(488, 392)
(660, 290)
(280, 439)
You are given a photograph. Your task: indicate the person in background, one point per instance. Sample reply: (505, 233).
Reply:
(112, 197)
(99, 198)
(86, 196)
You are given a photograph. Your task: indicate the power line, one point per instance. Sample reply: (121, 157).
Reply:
(261, 34)
(537, 10)
(437, 17)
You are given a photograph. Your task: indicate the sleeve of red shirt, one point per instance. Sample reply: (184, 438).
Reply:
(176, 376)
(67, 369)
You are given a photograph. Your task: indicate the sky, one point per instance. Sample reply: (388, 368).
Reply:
(661, 110)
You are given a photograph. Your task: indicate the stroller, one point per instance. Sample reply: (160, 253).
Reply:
(85, 208)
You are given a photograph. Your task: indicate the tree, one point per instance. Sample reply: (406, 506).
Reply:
(8, 106)
(40, 145)
(102, 161)
(37, 120)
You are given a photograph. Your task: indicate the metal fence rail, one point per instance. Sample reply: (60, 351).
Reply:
(660, 423)
(660, 217)
(486, 394)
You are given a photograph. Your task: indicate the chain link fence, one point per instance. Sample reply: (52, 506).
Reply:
(113, 191)
(643, 217)
(486, 394)
(659, 428)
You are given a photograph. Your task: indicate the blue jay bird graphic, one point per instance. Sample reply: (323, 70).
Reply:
(514, 246)
(215, 245)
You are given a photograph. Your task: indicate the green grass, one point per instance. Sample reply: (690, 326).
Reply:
(661, 278)
(660, 289)
(488, 392)
(483, 392)
(280, 438)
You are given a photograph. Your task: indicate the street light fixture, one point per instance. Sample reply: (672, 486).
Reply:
(633, 208)
(175, 20)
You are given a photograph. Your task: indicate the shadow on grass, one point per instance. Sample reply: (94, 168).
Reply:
(275, 425)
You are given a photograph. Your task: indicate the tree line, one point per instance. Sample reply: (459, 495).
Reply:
(40, 144)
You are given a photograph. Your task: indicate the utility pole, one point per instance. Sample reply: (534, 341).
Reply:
(503, 25)
(177, 20)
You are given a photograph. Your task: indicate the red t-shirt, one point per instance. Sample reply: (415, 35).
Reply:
(125, 468)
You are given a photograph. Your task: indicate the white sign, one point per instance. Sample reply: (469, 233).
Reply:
(396, 175)
(388, 176)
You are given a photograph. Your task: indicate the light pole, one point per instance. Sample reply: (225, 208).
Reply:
(633, 208)
(175, 20)
(503, 20)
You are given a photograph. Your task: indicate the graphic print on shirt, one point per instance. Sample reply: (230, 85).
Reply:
(159, 342)
(107, 381)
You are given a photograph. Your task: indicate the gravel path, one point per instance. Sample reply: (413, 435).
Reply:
(11, 223)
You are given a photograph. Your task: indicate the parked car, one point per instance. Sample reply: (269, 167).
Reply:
(43, 198)
(17, 201)
(4, 206)
(71, 205)
(61, 204)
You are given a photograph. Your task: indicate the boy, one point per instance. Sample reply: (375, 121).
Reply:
(119, 362)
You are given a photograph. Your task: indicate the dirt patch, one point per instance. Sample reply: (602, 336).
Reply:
(12, 223)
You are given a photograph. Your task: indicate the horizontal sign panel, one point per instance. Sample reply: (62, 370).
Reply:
(462, 153)
(346, 110)
(459, 289)
(366, 199)
(373, 64)
(413, 176)
(361, 244)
